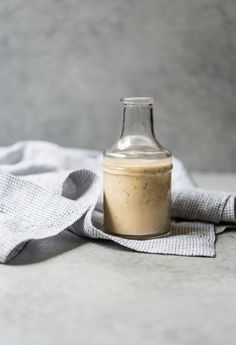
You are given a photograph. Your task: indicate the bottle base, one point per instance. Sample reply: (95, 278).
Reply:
(141, 237)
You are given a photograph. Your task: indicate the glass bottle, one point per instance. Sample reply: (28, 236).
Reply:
(137, 176)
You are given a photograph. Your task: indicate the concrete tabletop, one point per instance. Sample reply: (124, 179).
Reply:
(67, 290)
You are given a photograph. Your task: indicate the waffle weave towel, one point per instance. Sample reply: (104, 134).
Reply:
(45, 189)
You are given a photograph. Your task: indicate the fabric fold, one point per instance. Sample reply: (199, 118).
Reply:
(45, 189)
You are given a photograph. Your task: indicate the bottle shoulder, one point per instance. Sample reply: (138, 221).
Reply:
(137, 148)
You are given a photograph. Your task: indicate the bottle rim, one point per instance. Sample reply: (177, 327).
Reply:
(138, 100)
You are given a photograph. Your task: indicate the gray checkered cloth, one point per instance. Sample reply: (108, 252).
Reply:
(45, 189)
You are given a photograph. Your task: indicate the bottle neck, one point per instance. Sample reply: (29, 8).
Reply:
(138, 121)
(137, 140)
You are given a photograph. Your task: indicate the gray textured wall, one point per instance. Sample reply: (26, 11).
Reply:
(64, 64)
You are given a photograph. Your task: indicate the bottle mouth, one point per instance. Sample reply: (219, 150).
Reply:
(138, 100)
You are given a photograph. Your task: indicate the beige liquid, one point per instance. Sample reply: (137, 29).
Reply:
(137, 197)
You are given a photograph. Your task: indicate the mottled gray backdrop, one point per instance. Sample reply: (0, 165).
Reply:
(64, 64)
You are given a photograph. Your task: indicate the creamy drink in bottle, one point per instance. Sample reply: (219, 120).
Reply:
(137, 178)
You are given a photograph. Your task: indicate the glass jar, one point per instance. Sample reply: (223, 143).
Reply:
(137, 176)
